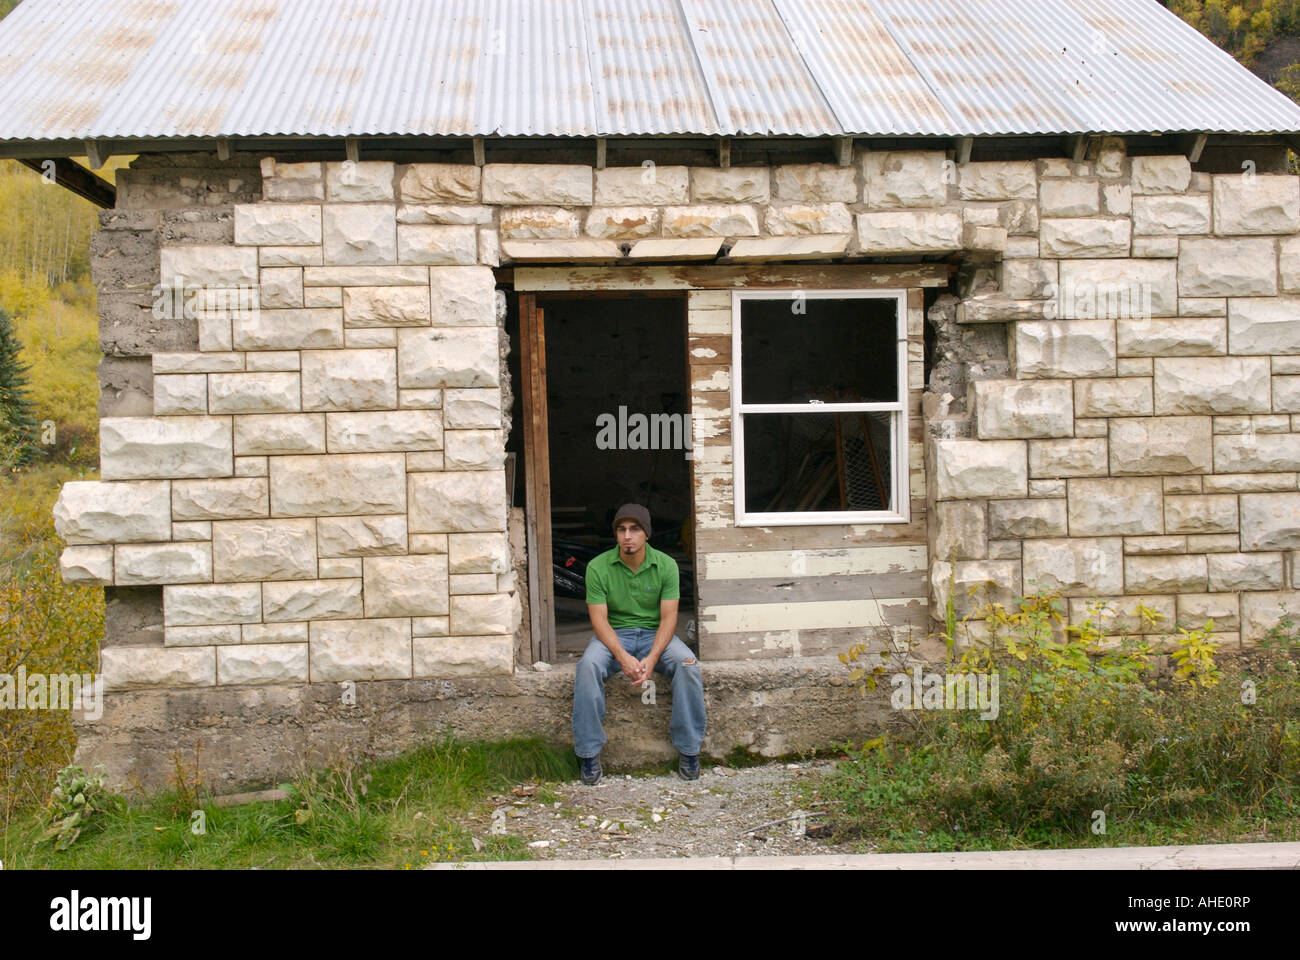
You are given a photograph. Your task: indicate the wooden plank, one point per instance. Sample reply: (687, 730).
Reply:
(541, 586)
(814, 615)
(833, 561)
(798, 643)
(546, 593)
(73, 176)
(813, 537)
(912, 584)
(819, 276)
(708, 349)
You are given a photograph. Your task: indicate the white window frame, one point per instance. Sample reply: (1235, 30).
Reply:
(899, 474)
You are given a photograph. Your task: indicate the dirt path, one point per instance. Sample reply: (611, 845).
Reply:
(727, 812)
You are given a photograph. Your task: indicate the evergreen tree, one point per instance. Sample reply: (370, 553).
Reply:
(17, 424)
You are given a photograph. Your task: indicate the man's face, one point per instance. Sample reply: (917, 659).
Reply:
(630, 536)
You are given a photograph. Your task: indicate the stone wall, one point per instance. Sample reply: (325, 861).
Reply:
(1142, 444)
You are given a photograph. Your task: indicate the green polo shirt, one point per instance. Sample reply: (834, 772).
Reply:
(633, 598)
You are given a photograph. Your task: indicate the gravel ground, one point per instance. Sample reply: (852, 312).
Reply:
(727, 812)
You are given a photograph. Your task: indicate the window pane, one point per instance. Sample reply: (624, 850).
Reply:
(835, 350)
(808, 462)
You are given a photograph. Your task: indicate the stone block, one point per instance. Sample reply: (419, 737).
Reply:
(1245, 571)
(126, 668)
(1022, 519)
(1261, 612)
(188, 530)
(1196, 608)
(92, 511)
(1153, 545)
(1117, 289)
(904, 178)
(277, 224)
(463, 296)
(264, 550)
(364, 536)
(1077, 567)
(461, 502)
(1264, 326)
(1211, 267)
(1181, 337)
(350, 379)
(1084, 237)
(1064, 348)
(492, 613)
(274, 360)
(293, 182)
(443, 213)
(222, 634)
(448, 357)
(1080, 457)
(1171, 214)
(472, 583)
(138, 448)
(413, 586)
(477, 553)
(309, 328)
(253, 393)
(1161, 174)
(87, 565)
(177, 394)
(464, 656)
(816, 182)
(960, 531)
(275, 632)
(1288, 264)
(360, 650)
(1160, 445)
(467, 409)
(788, 248)
(1262, 204)
(338, 485)
(1069, 198)
(359, 234)
(419, 399)
(539, 223)
(207, 265)
(1270, 521)
(474, 450)
(212, 603)
(1212, 385)
(364, 276)
(339, 568)
(998, 180)
(290, 256)
(359, 181)
(269, 435)
(973, 583)
(1286, 394)
(1215, 513)
(1166, 246)
(197, 362)
(622, 223)
(430, 626)
(158, 563)
(1015, 409)
(1117, 199)
(796, 219)
(649, 184)
(262, 663)
(281, 287)
(563, 185)
(382, 432)
(1124, 397)
(978, 469)
(1029, 279)
(440, 183)
(730, 185)
(385, 306)
(437, 244)
(219, 499)
(1112, 507)
(298, 600)
(1165, 574)
(711, 220)
(909, 231)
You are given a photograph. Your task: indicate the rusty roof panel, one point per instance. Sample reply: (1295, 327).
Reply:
(77, 69)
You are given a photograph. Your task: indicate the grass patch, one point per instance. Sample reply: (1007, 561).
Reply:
(424, 806)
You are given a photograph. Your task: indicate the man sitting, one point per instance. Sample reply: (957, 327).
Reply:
(632, 597)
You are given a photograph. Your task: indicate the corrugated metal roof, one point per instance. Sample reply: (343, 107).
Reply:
(103, 69)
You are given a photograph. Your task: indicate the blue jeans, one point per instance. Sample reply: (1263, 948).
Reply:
(598, 665)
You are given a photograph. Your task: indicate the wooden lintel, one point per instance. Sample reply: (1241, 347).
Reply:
(812, 276)
(353, 149)
(600, 153)
(844, 151)
(479, 152)
(96, 154)
(964, 145)
(724, 152)
(71, 175)
(1197, 147)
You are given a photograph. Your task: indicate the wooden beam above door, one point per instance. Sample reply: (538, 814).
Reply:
(833, 276)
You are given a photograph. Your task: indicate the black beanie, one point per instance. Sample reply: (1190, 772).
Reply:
(634, 511)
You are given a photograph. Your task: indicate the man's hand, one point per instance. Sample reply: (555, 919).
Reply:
(632, 669)
(647, 667)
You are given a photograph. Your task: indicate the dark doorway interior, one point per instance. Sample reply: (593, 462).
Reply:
(617, 404)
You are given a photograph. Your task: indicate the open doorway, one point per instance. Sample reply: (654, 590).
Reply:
(616, 428)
